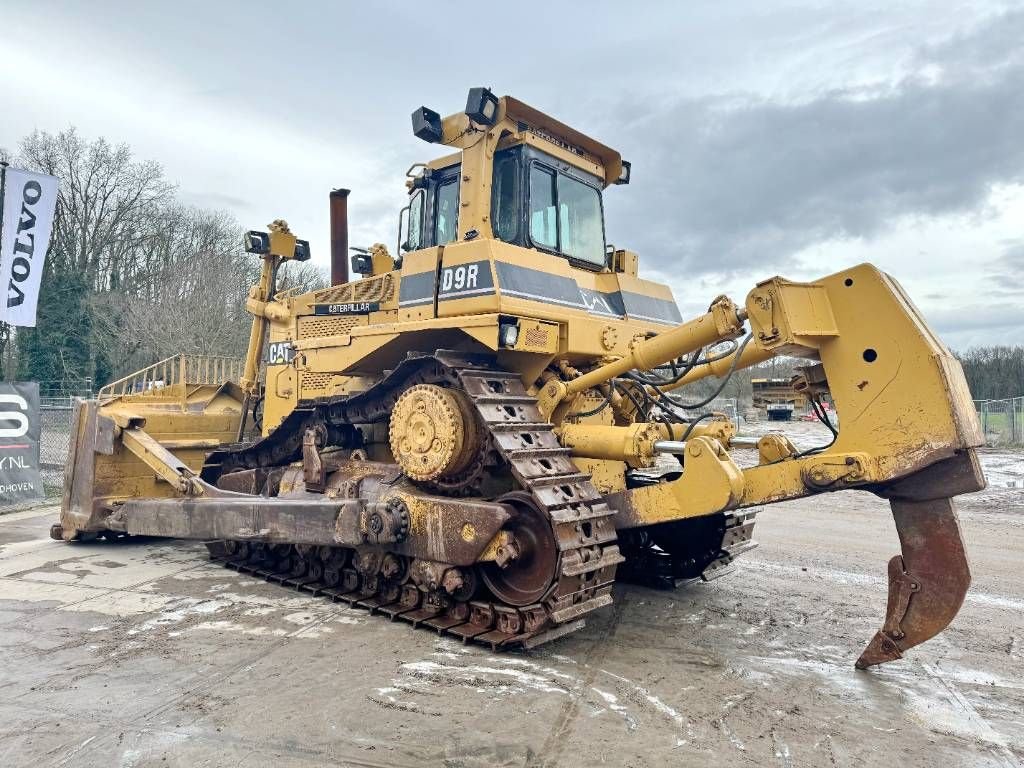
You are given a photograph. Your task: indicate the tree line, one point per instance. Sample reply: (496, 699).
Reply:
(132, 275)
(994, 373)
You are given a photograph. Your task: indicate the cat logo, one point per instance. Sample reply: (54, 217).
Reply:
(280, 353)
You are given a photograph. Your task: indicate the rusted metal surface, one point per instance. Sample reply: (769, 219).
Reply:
(945, 478)
(76, 503)
(339, 236)
(308, 520)
(312, 518)
(314, 472)
(927, 584)
(263, 481)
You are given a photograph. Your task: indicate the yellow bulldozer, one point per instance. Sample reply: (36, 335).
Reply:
(485, 430)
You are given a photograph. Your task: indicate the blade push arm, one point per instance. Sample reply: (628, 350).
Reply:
(907, 431)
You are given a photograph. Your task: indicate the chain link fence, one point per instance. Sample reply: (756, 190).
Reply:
(1002, 421)
(54, 438)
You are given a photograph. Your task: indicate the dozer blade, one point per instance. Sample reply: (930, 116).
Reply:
(927, 584)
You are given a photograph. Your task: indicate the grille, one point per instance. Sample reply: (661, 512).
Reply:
(340, 295)
(380, 289)
(536, 337)
(318, 327)
(377, 289)
(314, 381)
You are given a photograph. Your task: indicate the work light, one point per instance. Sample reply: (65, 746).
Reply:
(482, 106)
(508, 334)
(257, 242)
(426, 125)
(624, 173)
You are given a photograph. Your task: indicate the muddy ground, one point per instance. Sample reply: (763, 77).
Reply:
(146, 654)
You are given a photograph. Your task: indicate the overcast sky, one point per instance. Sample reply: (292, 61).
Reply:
(766, 138)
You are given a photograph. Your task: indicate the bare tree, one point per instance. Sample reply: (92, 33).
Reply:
(147, 276)
(108, 206)
(192, 297)
(301, 277)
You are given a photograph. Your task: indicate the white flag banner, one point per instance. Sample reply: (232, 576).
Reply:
(29, 202)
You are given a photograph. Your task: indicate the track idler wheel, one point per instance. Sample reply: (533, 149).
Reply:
(526, 578)
(927, 584)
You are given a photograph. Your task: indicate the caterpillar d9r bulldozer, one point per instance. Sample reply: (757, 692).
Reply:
(484, 430)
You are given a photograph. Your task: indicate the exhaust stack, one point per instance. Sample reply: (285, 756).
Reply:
(339, 236)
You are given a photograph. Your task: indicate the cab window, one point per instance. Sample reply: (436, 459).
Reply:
(415, 223)
(505, 196)
(566, 216)
(446, 216)
(580, 230)
(543, 223)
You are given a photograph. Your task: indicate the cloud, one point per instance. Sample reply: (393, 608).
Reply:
(1007, 275)
(980, 317)
(723, 183)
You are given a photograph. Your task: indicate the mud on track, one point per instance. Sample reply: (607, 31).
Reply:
(147, 654)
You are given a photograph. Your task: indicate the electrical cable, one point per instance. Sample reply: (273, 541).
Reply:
(686, 365)
(593, 412)
(627, 391)
(725, 380)
(693, 424)
(822, 414)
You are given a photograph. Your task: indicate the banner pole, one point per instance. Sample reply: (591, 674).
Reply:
(5, 329)
(3, 190)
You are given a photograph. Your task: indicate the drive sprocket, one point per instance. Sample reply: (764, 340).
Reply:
(429, 434)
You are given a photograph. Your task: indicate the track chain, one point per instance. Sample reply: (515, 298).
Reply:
(582, 526)
(738, 539)
(650, 565)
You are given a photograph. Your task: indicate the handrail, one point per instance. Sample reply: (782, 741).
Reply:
(181, 370)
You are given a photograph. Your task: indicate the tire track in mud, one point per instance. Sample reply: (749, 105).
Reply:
(996, 743)
(551, 752)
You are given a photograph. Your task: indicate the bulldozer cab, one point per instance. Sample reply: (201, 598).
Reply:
(520, 177)
(537, 201)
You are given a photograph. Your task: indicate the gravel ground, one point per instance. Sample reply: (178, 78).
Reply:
(143, 653)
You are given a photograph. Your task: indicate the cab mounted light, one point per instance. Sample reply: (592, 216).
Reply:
(257, 242)
(301, 250)
(426, 125)
(482, 106)
(624, 173)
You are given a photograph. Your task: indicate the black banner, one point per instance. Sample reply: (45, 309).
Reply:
(19, 442)
(352, 308)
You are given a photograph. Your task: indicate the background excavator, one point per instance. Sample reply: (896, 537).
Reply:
(483, 431)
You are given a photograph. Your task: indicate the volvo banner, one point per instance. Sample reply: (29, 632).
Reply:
(29, 201)
(19, 442)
